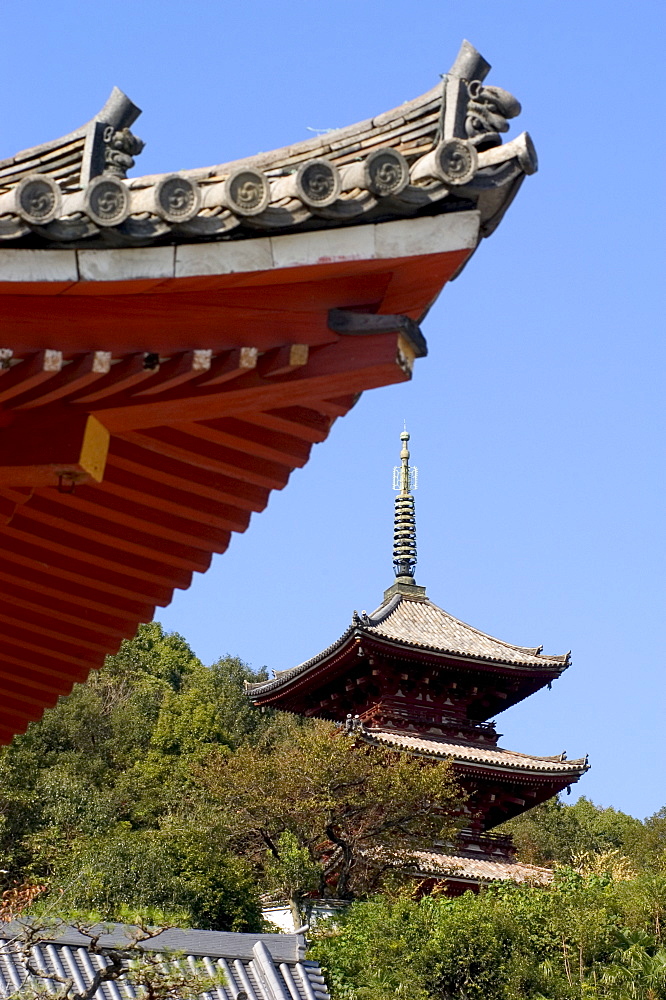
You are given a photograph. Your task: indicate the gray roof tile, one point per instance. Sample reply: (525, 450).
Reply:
(469, 753)
(257, 966)
(421, 623)
(480, 869)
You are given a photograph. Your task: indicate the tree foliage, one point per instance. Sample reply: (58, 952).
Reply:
(553, 833)
(584, 937)
(84, 794)
(156, 791)
(157, 788)
(312, 800)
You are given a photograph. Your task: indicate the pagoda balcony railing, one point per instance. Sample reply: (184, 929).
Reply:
(480, 842)
(488, 843)
(390, 710)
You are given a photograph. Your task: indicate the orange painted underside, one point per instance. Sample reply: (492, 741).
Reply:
(188, 462)
(264, 309)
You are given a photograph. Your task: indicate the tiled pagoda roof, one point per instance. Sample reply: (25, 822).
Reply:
(478, 870)
(418, 623)
(424, 624)
(467, 753)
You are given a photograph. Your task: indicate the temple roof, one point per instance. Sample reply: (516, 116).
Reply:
(475, 870)
(265, 966)
(441, 152)
(421, 623)
(201, 337)
(418, 623)
(467, 753)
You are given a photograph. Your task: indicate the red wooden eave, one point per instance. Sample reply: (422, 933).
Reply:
(191, 454)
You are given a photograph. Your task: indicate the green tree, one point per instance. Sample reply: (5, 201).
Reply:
(291, 873)
(555, 833)
(588, 935)
(356, 810)
(120, 748)
(174, 874)
(646, 845)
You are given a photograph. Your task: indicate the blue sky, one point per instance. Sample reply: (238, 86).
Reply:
(537, 421)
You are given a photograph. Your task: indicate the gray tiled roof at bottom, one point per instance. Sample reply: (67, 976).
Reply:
(255, 966)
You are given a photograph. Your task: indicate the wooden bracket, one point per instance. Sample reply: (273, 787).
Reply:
(230, 365)
(62, 451)
(353, 324)
(283, 360)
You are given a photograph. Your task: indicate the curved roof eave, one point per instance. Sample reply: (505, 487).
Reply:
(484, 758)
(416, 158)
(554, 665)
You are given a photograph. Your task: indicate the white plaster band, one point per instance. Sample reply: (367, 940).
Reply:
(380, 241)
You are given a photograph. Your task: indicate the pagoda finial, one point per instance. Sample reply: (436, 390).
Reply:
(404, 532)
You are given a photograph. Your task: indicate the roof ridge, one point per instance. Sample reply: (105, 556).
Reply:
(282, 675)
(326, 138)
(386, 608)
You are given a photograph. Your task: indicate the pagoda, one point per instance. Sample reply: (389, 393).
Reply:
(412, 677)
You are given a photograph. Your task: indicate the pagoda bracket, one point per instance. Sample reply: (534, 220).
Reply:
(363, 324)
(63, 451)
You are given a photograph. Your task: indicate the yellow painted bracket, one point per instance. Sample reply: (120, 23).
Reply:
(52, 449)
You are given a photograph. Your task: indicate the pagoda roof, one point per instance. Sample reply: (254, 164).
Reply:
(478, 870)
(417, 623)
(465, 753)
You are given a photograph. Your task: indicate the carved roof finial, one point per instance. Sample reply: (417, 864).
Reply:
(405, 479)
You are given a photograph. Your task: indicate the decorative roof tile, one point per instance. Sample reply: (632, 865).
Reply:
(438, 153)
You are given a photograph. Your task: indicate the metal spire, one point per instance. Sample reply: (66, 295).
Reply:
(405, 479)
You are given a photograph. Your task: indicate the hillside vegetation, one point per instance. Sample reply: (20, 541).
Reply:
(156, 790)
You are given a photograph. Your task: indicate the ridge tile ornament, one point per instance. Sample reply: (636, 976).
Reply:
(445, 154)
(412, 677)
(121, 147)
(38, 200)
(246, 192)
(174, 344)
(106, 201)
(177, 198)
(384, 172)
